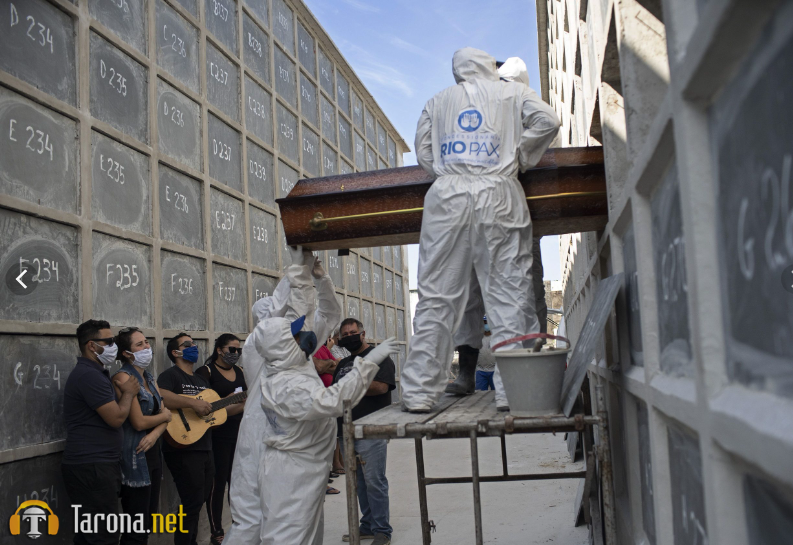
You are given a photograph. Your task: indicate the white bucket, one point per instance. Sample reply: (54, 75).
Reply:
(533, 380)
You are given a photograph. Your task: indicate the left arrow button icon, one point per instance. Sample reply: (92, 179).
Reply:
(19, 279)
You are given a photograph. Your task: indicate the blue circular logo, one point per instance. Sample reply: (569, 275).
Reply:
(470, 120)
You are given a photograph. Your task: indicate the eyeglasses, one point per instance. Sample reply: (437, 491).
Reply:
(234, 350)
(108, 341)
(187, 344)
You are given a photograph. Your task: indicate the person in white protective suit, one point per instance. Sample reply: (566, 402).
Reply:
(300, 432)
(293, 297)
(474, 137)
(468, 337)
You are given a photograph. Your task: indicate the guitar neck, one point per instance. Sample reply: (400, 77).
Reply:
(225, 402)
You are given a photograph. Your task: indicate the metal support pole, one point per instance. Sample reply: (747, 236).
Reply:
(605, 467)
(425, 522)
(477, 497)
(504, 455)
(351, 474)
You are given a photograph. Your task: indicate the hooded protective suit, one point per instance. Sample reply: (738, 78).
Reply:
(474, 137)
(300, 433)
(471, 328)
(293, 297)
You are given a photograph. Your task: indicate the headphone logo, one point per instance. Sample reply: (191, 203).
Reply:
(33, 512)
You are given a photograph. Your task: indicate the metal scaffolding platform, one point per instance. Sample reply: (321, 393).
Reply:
(473, 417)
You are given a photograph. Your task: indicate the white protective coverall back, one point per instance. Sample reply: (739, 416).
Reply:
(300, 435)
(474, 137)
(471, 329)
(293, 297)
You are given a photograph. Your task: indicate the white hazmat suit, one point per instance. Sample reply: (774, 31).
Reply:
(471, 329)
(300, 433)
(474, 137)
(293, 297)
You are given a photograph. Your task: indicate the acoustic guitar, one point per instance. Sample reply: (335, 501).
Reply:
(186, 427)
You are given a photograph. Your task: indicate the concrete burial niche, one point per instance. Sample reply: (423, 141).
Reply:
(122, 287)
(177, 45)
(33, 386)
(261, 176)
(264, 239)
(181, 205)
(227, 224)
(255, 48)
(184, 292)
(258, 111)
(230, 296)
(225, 154)
(40, 270)
(221, 20)
(119, 89)
(127, 21)
(179, 125)
(38, 45)
(223, 83)
(120, 185)
(39, 158)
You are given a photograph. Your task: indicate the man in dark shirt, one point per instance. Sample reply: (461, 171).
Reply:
(192, 467)
(372, 482)
(91, 461)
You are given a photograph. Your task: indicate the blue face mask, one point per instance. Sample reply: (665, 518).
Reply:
(190, 354)
(487, 328)
(307, 341)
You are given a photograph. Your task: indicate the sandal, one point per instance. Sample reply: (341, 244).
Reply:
(339, 471)
(334, 475)
(331, 490)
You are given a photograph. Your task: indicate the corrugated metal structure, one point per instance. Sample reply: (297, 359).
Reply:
(692, 103)
(143, 145)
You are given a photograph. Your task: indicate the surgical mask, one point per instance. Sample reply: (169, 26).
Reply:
(108, 356)
(307, 341)
(190, 354)
(487, 328)
(142, 358)
(352, 343)
(229, 358)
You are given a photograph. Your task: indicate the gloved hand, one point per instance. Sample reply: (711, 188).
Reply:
(382, 351)
(318, 271)
(296, 253)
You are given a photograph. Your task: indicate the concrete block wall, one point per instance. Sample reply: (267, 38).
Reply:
(143, 145)
(692, 103)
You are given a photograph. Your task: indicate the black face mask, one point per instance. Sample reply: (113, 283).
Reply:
(352, 343)
(307, 342)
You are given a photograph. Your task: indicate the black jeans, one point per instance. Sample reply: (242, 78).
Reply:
(223, 454)
(146, 500)
(96, 487)
(193, 472)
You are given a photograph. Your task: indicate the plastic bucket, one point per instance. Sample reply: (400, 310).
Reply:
(533, 380)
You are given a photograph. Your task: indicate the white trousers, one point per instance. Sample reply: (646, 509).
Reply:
(471, 225)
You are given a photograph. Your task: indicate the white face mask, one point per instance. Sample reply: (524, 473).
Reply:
(109, 355)
(142, 357)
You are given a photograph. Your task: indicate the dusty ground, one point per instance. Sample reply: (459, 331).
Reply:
(523, 513)
(517, 513)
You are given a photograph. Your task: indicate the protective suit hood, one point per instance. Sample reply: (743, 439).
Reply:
(469, 64)
(278, 347)
(514, 69)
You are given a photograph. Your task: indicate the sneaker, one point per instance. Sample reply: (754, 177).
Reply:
(381, 539)
(346, 537)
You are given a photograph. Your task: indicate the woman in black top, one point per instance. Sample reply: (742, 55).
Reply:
(226, 378)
